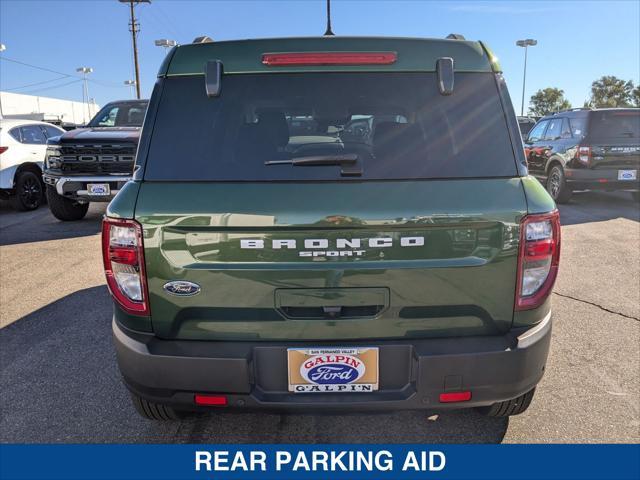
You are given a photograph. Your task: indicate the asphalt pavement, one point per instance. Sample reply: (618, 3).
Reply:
(59, 380)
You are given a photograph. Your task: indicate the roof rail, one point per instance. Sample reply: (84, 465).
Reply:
(455, 36)
(577, 109)
(202, 39)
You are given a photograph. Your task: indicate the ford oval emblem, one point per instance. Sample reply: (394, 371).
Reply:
(332, 370)
(182, 288)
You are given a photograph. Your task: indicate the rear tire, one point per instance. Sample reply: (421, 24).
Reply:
(154, 411)
(29, 194)
(557, 185)
(65, 209)
(507, 408)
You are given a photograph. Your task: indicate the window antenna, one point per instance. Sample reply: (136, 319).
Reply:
(329, 32)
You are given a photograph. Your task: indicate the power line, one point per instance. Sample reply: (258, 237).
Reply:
(99, 82)
(171, 22)
(52, 88)
(36, 83)
(160, 21)
(35, 66)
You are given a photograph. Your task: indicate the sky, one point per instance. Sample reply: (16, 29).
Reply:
(578, 41)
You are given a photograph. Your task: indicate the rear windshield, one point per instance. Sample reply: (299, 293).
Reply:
(615, 125)
(388, 125)
(120, 115)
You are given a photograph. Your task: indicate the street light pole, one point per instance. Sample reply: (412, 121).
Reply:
(131, 83)
(85, 90)
(135, 28)
(166, 44)
(529, 42)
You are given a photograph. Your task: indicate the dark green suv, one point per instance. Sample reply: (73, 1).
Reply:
(331, 224)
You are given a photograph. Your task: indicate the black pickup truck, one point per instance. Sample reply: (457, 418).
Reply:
(91, 164)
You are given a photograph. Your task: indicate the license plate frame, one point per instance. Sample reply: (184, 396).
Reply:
(98, 189)
(627, 175)
(333, 369)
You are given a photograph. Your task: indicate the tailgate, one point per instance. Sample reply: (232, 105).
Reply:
(325, 261)
(614, 136)
(616, 156)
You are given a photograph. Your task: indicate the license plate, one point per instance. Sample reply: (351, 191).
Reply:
(317, 370)
(627, 174)
(98, 189)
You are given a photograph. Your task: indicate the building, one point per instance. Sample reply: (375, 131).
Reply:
(46, 109)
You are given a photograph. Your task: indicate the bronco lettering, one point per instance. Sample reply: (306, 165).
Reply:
(340, 243)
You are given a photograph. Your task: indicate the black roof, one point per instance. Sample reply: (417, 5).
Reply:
(129, 102)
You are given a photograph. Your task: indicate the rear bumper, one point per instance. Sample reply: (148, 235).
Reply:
(75, 186)
(605, 179)
(413, 373)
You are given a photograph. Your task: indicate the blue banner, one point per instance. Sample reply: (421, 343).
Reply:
(335, 462)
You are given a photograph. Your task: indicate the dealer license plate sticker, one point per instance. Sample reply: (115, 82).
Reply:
(627, 174)
(98, 189)
(317, 370)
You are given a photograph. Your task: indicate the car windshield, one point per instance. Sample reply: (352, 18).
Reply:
(615, 124)
(396, 125)
(120, 115)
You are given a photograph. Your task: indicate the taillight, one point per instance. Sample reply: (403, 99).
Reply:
(122, 252)
(329, 58)
(538, 259)
(3, 149)
(584, 155)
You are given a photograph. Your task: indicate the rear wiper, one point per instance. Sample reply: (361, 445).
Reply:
(348, 163)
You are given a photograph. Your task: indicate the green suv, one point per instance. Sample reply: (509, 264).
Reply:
(331, 224)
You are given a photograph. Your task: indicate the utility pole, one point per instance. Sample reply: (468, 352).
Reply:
(135, 28)
(2, 49)
(529, 42)
(85, 89)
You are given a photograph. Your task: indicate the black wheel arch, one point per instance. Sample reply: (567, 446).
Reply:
(28, 167)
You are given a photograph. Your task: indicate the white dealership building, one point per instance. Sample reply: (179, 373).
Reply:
(47, 109)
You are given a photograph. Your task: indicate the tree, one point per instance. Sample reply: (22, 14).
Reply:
(636, 96)
(610, 91)
(547, 101)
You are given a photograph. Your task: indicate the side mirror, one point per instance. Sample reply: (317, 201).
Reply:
(444, 68)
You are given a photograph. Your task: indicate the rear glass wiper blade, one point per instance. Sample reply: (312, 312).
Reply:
(347, 162)
(317, 160)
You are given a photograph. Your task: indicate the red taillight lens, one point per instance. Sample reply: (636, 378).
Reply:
(210, 400)
(455, 397)
(538, 259)
(123, 256)
(329, 58)
(3, 149)
(584, 155)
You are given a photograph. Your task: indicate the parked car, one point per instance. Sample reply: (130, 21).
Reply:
(586, 149)
(526, 124)
(91, 164)
(253, 266)
(22, 151)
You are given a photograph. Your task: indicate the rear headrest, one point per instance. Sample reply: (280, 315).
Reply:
(274, 125)
(136, 117)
